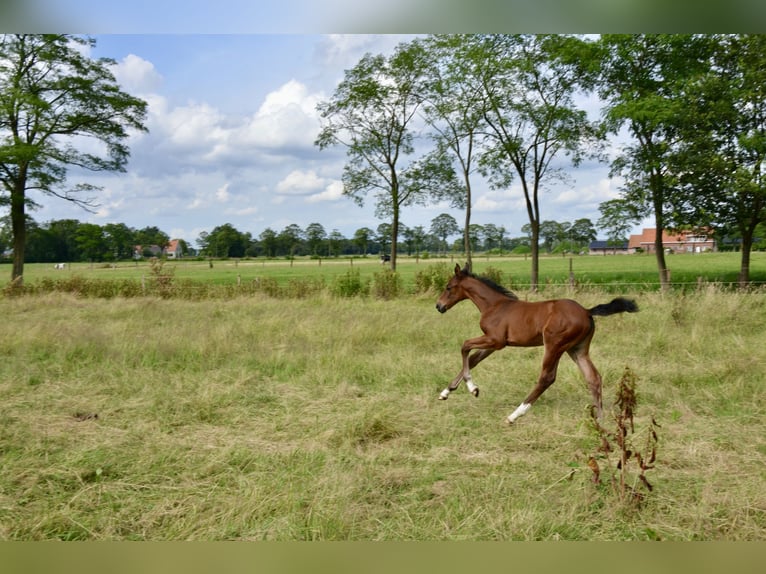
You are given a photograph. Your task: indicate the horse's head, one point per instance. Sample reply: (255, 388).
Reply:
(454, 291)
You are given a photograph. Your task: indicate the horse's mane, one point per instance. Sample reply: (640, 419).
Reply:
(492, 285)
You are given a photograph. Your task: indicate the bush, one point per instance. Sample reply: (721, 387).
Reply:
(387, 284)
(493, 274)
(433, 278)
(350, 284)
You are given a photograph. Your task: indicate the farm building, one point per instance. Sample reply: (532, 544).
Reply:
(173, 249)
(675, 242)
(672, 241)
(601, 247)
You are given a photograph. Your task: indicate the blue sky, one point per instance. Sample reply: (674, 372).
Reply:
(232, 123)
(232, 88)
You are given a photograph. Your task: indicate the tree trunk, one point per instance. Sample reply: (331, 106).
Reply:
(661, 265)
(744, 266)
(466, 233)
(19, 227)
(535, 276)
(394, 235)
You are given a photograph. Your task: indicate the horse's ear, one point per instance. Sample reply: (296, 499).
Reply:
(467, 268)
(457, 269)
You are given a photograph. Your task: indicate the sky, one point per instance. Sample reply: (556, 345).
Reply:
(232, 88)
(231, 124)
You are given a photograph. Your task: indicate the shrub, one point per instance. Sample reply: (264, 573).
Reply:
(350, 284)
(493, 274)
(386, 284)
(432, 278)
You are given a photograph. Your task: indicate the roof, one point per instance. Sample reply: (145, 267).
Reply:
(604, 244)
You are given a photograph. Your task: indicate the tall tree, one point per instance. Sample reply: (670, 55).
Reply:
(454, 109)
(529, 83)
(52, 96)
(443, 226)
(372, 114)
(644, 81)
(723, 155)
(315, 235)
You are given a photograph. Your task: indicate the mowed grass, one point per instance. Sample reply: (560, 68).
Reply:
(623, 272)
(317, 419)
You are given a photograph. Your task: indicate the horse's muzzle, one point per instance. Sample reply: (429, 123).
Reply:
(441, 308)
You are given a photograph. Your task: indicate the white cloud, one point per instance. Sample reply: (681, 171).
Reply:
(286, 118)
(300, 182)
(222, 193)
(589, 195)
(136, 75)
(333, 192)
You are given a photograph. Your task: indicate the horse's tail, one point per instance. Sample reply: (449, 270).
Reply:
(618, 305)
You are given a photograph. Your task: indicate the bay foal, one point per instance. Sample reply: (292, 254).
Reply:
(560, 325)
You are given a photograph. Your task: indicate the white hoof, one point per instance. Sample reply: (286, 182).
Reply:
(520, 411)
(444, 395)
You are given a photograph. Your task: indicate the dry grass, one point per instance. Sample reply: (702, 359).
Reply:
(318, 419)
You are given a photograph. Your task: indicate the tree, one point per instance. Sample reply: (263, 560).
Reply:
(226, 241)
(371, 114)
(493, 236)
(644, 81)
(444, 226)
(151, 235)
(120, 240)
(528, 84)
(723, 149)
(454, 108)
(290, 238)
(334, 242)
(268, 239)
(581, 233)
(362, 238)
(617, 219)
(52, 97)
(315, 235)
(90, 240)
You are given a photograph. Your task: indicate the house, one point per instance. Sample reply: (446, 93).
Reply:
(601, 247)
(672, 241)
(140, 251)
(173, 249)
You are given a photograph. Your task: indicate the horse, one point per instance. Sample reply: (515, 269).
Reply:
(559, 325)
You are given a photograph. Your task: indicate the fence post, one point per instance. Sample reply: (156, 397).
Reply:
(571, 274)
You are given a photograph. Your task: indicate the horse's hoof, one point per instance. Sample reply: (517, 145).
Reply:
(475, 392)
(441, 398)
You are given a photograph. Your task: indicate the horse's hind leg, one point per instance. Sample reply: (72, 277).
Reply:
(546, 379)
(473, 360)
(591, 374)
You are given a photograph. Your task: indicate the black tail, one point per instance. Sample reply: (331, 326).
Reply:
(619, 305)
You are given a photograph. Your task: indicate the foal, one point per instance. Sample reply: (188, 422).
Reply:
(560, 325)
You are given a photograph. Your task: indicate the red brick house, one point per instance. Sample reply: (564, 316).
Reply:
(673, 241)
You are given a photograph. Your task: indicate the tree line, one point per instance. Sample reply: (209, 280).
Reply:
(69, 240)
(420, 125)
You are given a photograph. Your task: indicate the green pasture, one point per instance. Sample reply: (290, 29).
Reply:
(624, 272)
(256, 418)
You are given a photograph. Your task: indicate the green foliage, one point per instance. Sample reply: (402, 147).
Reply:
(387, 284)
(433, 278)
(350, 284)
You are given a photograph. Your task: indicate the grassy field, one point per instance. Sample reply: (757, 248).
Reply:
(634, 272)
(255, 418)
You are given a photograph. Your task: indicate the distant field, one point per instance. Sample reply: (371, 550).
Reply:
(618, 271)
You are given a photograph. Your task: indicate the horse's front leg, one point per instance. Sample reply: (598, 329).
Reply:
(469, 362)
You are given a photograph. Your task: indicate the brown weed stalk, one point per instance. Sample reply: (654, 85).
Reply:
(628, 474)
